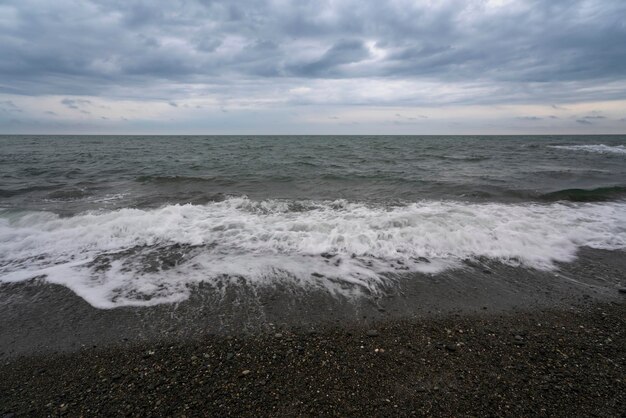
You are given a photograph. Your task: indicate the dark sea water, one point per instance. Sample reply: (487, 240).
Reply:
(138, 220)
(71, 174)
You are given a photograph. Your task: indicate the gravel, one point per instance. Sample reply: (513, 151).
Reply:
(567, 362)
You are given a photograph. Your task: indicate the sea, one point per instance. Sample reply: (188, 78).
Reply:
(144, 220)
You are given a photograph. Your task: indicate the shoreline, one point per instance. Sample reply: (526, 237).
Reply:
(488, 339)
(42, 318)
(559, 361)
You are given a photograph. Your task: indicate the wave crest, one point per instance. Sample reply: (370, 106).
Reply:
(598, 148)
(600, 194)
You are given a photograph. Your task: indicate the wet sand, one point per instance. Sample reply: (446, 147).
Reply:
(488, 339)
(43, 318)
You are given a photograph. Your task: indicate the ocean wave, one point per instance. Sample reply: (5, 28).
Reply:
(69, 194)
(598, 148)
(600, 194)
(24, 190)
(469, 158)
(175, 180)
(146, 257)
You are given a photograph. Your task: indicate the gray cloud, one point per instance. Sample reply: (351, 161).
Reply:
(8, 106)
(526, 51)
(75, 103)
(342, 52)
(399, 116)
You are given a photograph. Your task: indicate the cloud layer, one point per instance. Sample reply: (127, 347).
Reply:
(315, 56)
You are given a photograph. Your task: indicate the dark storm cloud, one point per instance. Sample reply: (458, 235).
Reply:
(564, 48)
(343, 52)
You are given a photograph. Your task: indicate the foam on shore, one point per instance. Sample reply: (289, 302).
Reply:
(134, 257)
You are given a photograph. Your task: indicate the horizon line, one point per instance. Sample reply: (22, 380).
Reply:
(302, 134)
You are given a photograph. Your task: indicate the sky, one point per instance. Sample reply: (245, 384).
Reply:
(312, 67)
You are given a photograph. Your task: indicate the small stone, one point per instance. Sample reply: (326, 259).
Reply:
(519, 338)
(451, 347)
(278, 335)
(372, 333)
(245, 373)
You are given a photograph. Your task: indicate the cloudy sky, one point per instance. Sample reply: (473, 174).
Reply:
(313, 67)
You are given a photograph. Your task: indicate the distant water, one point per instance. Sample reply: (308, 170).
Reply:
(142, 220)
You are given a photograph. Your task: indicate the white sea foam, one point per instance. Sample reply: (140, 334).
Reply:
(598, 148)
(145, 257)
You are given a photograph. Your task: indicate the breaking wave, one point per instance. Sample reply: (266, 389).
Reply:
(133, 257)
(599, 148)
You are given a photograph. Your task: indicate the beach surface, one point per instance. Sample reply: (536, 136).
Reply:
(489, 339)
(554, 362)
